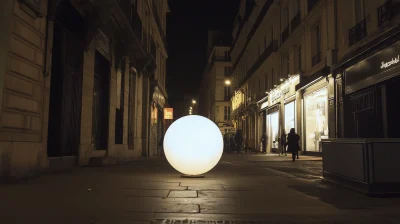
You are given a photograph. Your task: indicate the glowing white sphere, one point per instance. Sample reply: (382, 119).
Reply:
(193, 145)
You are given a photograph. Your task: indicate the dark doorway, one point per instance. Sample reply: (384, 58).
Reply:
(119, 111)
(363, 113)
(101, 102)
(393, 107)
(66, 83)
(131, 110)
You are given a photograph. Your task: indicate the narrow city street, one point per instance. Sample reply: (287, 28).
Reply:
(247, 187)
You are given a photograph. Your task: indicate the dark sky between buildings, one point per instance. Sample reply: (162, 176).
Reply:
(187, 26)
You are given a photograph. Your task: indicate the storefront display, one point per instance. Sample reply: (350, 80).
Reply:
(273, 135)
(316, 119)
(290, 114)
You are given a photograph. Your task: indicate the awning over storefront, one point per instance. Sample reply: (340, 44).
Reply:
(273, 108)
(263, 104)
(308, 81)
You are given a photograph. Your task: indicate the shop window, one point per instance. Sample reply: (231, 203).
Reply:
(316, 119)
(273, 132)
(290, 116)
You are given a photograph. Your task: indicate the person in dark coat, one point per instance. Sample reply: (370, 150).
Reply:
(161, 145)
(293, 140)
(238, 140)
(264, 143)
(283, 142)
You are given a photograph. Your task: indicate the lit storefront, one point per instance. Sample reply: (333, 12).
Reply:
(370, 92)
(317, 110)
(315, 119)
(262, 118)
(281, 114)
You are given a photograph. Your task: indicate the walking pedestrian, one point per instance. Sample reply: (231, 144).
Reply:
(238, 140)
(161, 146)
(264, 143)
(293, 140)
(283, 143)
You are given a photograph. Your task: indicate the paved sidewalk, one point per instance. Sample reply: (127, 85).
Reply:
(150, 191)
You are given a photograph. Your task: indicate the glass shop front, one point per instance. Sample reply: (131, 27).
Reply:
(316, 119)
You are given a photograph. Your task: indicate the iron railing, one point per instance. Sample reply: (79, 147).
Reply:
(285, 34)
(272, 47)
(215, 58)
(132, 16)
(311, 4)
(249, 8)
(159, 25)
(316, 59)
(388, 11)
(295, 22)
(358, 32)
(258, 22)
(153, 49)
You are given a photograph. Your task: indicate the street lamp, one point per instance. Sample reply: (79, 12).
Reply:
(227, 82)
(194, 101)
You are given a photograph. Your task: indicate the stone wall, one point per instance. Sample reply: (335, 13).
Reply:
(21, 126)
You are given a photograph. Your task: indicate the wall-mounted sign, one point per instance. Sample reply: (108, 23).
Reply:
(264, 105)
(373, 69)
(286, 89)
(391, 62)
(168, 113)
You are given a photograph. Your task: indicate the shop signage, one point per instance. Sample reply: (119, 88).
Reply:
(275, 95)
(264, 105)
(168, 113)
(282, 91)
(368, 69)
(390, 63)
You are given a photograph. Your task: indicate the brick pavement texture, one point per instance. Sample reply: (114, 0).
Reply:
(240, 189)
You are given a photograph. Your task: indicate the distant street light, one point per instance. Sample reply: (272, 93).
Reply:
(190, 108)
(194, 101)
(227, 82)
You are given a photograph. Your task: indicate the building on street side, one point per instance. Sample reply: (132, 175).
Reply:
(283, 70)
(81, 83)
(216, 82)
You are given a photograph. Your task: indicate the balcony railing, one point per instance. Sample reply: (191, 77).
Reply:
(387, 11)
(285, 34)
(316, 59)
(272, 47)
(220, 58)
(153, 49)
(258, 22)
(132, 15)
(159, 25)
(358, 32)
(295, 22)
(311, 4)
(145, 40)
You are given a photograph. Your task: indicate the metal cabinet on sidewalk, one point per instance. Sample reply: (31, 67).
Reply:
(370, 166)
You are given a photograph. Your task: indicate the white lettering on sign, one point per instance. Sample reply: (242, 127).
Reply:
(391, 62)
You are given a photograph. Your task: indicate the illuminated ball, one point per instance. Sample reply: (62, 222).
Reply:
(193, 145)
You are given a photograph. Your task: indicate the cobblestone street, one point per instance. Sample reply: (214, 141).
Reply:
(242, 188)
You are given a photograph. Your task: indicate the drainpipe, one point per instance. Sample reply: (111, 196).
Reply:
(46, 46)
(335, 23)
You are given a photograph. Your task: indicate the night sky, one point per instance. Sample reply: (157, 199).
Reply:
(187, 26)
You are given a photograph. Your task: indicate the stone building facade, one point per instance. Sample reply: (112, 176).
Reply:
(78, 81)
(216, 89)
(293, 63)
